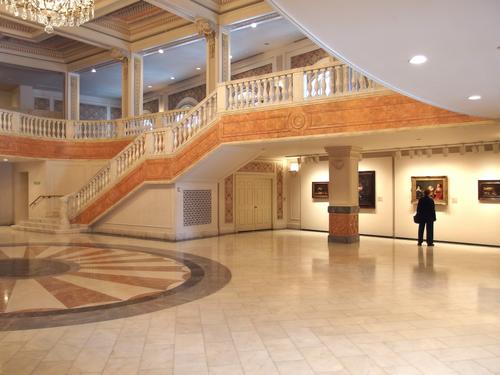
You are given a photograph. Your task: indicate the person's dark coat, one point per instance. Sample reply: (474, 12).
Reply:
(426, 210)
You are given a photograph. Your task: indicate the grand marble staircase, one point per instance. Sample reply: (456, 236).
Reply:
(49, 225)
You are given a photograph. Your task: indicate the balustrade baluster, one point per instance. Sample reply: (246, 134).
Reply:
(323, 82)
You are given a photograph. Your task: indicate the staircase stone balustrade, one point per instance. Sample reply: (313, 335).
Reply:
(162, 134)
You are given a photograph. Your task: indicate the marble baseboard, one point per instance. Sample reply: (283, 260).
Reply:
(136, 231)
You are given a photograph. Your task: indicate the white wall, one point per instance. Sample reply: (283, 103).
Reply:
(313, 212)
(7, 195)
(378, 221)
(464, 219)
(148, 212)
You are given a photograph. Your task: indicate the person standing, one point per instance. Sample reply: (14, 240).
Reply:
(425, 217)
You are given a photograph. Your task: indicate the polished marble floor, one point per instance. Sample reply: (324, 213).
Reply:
(294, 305)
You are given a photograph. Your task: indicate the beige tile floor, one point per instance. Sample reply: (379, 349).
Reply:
(295, 305)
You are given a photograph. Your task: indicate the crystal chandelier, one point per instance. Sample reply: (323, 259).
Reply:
(52, 13)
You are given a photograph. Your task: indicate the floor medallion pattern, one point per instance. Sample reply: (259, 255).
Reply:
(59, 284)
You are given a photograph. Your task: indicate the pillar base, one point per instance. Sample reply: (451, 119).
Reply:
(343, 239)
(343, 224)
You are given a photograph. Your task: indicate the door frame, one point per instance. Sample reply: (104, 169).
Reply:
(270, 176)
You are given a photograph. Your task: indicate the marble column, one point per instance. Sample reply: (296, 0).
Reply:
(343, 206)
(72, 96)
(132, 85)
(218, 59)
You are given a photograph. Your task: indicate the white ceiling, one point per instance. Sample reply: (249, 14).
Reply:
(461, 39)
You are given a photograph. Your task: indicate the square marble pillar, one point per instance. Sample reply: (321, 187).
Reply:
(132, 85)
(343, 206)
(72, 96)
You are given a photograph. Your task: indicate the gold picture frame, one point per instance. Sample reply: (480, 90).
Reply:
(437, 184)
(320, 190)
(488, 191)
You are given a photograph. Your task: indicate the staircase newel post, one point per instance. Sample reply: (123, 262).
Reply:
(221, 98)
(63, 212)
(169, 140)
(70, 129)
(16, 123)
(298, 86)
(149, 145)
(120, 129)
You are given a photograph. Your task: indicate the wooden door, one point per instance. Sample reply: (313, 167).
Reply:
(253, 203)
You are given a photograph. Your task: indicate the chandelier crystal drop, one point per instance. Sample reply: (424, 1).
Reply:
(52, 13)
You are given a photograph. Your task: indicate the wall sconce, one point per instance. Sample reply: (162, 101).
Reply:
(293, 167)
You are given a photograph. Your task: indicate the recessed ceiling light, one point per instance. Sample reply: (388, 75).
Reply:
(93, 70)
(172, 77)
(230, 56)
(418, 59)
(5, 159)
(160, 51)
(150, 87)
(254, 25)
(474, 97)
(198, 68)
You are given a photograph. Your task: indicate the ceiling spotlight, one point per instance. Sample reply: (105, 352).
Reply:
(93, 70)
(5, 160)
(474, 97)
(230, 56)
(172, 78)
(198, 68)
(150, 87)
(253, 25)
(160, 51)
(418, 59)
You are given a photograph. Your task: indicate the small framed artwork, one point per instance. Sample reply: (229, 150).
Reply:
(488, 190)
(438, 185)
(366, 189)
(320, 190)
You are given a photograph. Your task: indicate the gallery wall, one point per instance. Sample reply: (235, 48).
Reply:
(377, 221)
(464, 219)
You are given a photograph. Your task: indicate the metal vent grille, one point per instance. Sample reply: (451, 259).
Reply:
(197, 207)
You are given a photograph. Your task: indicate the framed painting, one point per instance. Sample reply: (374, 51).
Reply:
(320, 190)
(438, 185)
(366, 189)
(488, 190)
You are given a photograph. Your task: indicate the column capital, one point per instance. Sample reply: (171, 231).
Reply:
(344, 151)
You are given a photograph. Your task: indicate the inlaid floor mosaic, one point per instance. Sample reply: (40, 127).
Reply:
(58, 281)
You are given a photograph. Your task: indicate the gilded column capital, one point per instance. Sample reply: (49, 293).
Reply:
(207, 29)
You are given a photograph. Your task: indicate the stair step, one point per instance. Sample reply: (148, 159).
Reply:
(53, 227)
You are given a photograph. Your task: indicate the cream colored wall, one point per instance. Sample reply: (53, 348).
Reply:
(5, 99)
(148, 212)
(67, 176)
(378, 221)
(313, 213)
(465, 219)
(36, 185)
(7, 195)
